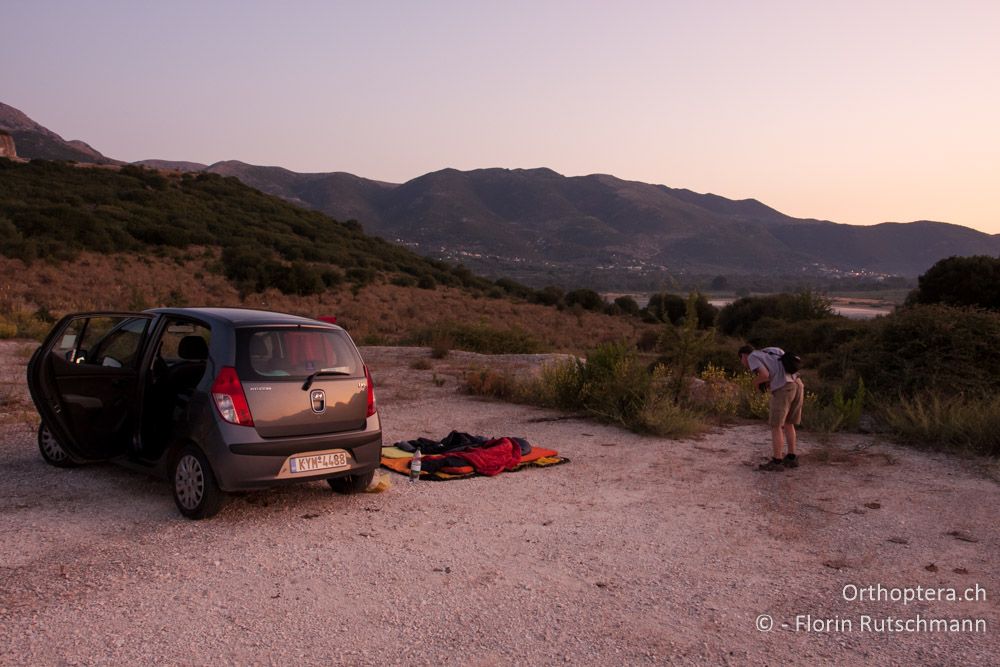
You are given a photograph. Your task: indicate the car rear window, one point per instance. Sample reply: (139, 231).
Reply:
(295, 353)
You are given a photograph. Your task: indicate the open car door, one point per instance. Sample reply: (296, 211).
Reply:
(84, 380)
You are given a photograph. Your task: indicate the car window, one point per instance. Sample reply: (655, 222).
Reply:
(296, 353)
(175, 332)
(109, 341)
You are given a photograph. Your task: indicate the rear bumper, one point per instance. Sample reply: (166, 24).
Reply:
(245, 466)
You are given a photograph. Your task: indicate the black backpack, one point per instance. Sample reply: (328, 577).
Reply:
(790, 361)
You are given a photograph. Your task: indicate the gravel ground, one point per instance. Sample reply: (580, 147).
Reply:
(640, 551)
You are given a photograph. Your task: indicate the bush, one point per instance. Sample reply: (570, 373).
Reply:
(495, 384)
(587, 299)
(549, 296)
(934, 348)
(612, 386)
(627, 305)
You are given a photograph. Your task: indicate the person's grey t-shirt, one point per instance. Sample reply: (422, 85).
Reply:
(769, 358)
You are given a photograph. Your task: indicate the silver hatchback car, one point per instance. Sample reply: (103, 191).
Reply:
(215, 399)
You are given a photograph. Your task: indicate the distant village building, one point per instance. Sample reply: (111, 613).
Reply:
(7, 146)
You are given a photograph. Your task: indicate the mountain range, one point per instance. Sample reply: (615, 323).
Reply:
(540, 226)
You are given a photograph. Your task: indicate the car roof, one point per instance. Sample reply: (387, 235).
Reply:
(240, 317)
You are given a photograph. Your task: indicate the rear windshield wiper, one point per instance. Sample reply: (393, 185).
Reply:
(324, 371)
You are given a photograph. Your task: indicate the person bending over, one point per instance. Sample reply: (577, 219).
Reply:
(787, 394)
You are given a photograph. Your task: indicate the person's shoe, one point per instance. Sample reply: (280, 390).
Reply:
(790, 461)
(774, 465)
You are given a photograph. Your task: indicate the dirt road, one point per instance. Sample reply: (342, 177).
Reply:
(640, 551)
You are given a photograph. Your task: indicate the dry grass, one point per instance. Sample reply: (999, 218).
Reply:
(381, 313)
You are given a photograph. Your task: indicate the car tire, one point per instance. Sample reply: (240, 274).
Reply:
(349, 484)
(196, 492)
(52, 451)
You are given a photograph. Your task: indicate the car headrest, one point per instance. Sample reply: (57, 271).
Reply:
(258, 348)
(193, 348)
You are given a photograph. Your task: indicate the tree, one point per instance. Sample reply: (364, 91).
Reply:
(627, 305)
(588, 299)
(666, 307)
(683, 347)
(961, 281)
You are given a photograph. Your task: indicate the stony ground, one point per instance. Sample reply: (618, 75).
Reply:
(640, 551)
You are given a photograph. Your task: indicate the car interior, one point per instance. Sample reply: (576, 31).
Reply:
(177, 367)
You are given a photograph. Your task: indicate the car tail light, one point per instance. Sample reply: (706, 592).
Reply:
(371, 392)
(230, 399)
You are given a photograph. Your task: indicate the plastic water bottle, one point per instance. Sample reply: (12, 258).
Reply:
(415, 466)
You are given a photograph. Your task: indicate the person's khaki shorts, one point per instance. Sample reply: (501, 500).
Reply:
(786, 404)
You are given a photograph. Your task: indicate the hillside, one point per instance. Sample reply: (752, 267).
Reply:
(79, 238)
(54, 210)
(36, 142)
(538, 226)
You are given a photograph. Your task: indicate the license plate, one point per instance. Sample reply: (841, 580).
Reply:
(318, 462)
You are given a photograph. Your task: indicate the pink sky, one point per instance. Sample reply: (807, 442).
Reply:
(859, 112)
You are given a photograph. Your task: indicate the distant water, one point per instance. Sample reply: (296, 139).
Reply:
(852, 312)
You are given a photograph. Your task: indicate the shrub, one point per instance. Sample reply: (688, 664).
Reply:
(495, 384)
(612, 386)
(931, 348)
(627, 305)
(718, 393)
(420, 365)
(839, 414)
(615, 384)
(441, 344)
(587, 299)
(850, 409)
(549, 296)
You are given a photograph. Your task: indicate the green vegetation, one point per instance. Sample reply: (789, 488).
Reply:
(921, 349)
(613, 386)
(926, 374)
(950, 422)
(52, 211)
(961, 281)
(739, 317)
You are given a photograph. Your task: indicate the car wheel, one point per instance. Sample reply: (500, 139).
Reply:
(196, 492)
(349, 484)
(51, 450)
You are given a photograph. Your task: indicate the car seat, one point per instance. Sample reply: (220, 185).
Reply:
(184, 376)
